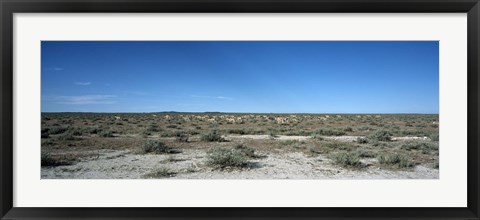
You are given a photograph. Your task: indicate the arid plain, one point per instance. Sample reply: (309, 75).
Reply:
(172, 145)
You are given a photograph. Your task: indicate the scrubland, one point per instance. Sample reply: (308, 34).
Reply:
(172, 145)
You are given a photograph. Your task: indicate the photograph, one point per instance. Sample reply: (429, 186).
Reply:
(253, 110)
(307, 110)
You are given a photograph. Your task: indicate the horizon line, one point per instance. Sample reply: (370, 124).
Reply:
(218, 112)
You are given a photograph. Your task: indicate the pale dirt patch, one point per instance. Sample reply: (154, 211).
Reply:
(342, 138)
(302, 138)
(266, 137)
(411, 139)
(354, 138)
(190, 165)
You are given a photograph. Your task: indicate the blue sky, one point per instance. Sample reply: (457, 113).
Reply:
(240, 76)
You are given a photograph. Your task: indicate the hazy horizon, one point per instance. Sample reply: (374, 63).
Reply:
(280, 113)
(278, 77)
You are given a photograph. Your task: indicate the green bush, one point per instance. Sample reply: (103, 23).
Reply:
(212, 137)
(236, 131)
(221, 157)
(156, 147)
(76, 132)
(57, 130)
(171, 133)
(346, 159)
(381, 136)
(181, 137)
(435, 137)
(362, 140)
(47, 160)
(394, 160)
(411, 146)
(425, 147)
(248, 151)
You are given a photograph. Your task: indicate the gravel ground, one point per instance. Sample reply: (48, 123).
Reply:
(189, 164)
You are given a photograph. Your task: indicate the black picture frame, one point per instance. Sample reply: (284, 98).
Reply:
(9, 7)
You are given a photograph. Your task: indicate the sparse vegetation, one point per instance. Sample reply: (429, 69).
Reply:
(234, 140)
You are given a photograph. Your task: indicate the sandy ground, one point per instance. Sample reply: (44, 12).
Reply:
(189, 164)
(301, 138)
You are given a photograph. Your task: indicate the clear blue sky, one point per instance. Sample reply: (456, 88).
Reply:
(241, 76)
